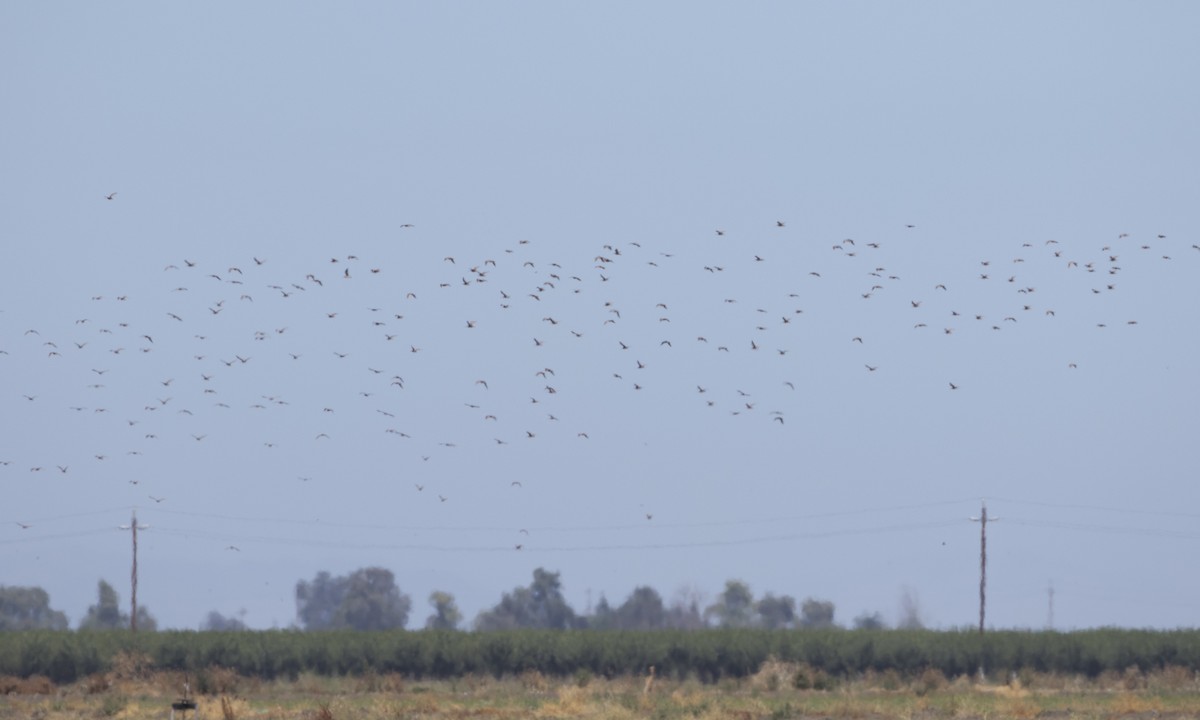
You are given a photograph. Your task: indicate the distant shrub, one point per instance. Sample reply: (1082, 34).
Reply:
(931, 680)
(217, 680)
(807, 677)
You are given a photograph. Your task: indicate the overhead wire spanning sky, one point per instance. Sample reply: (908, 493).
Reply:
(663, 296)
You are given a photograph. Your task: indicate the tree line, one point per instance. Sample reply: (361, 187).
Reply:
(369, 599)
(354, 624)
(28, 608)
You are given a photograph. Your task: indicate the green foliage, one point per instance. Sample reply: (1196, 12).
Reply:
(734, 607)
(910, 611)
(106, 613)
(684, 613)
(582, 677)
(918, 657)
(217, 622)
(541, 605)
(807, 677)
(642, 610)
(870, 621)
(776, 613)
(113, 704)
(366, 599)
(446, 615)
(28, 608)
(816, 614)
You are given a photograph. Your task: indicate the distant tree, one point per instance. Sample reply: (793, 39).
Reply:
(317, 602)
(734, 607)
(642, 610)
(872, 621)
(816, 614)
(603, 617)
(366, 599)
(373, 602)
(28, 608)
(216, 622)
(776, 613)
(106, 613)
(541, 605)
(446, 615)
(910, 611)
(684, 612)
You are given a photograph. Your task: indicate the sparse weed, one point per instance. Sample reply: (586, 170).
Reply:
(929, 696)
(112, 704)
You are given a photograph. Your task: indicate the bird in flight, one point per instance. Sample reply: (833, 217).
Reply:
(110, 196)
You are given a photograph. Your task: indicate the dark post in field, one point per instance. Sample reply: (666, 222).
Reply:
(133, 575)
(983, 521)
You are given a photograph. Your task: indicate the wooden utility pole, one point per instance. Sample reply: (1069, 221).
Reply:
(133, 527)
(983, 521)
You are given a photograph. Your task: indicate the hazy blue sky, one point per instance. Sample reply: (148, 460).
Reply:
(469, 245)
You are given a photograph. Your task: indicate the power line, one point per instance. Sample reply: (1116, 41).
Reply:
(1111, 529)
(562, 528)
(224, 537)
(56, 536)
(1101, 508)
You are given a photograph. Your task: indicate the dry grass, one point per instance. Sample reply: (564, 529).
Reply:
(778, 691)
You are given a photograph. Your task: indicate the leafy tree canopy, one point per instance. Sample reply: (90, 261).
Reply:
(642, 610)
(446, 615)
(816, 614)
(28, 608)
(776, 612)
(541, 605)
(734, 607)
(684, 612)
(106, 613)
(870, 621)
(366, 599)
(216, 622)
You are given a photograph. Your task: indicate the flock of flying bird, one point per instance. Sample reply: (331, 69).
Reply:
(564, 336)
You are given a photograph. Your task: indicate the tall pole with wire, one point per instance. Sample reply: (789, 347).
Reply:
(983, 521)
(133, 527)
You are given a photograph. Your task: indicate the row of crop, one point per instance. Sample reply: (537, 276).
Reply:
(707, 654)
